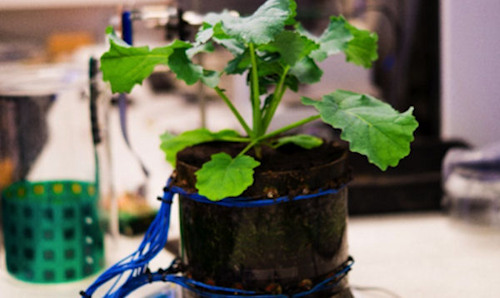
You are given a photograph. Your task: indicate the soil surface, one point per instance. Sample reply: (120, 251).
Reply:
(288, 170)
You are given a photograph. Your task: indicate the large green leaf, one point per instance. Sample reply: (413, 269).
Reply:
(172, 144)
(302, 140)
(291, 46)
(224, 176)
(372, 127)
(124, 66)
(261, 27)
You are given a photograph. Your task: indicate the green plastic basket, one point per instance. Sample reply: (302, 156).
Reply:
(51, 231)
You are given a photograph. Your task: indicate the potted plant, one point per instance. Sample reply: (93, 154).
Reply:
(283, 228)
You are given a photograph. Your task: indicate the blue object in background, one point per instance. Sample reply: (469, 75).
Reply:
(127, 31)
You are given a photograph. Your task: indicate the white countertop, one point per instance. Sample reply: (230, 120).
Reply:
(410, 255)
(425, 255)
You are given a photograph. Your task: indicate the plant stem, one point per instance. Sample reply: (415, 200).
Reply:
(248, 147)
(256, 113)
(288, 127)
(234, 110)
(278, 95)
(278, 131)
(236, 140)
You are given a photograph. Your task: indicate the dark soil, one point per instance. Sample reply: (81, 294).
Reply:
(288, 170)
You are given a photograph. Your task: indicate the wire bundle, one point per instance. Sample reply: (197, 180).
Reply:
(154, 241)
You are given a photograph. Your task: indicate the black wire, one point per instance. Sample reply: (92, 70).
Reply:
(375, 289)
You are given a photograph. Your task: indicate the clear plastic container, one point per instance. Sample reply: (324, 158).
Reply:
(51, 182)
(473, 194)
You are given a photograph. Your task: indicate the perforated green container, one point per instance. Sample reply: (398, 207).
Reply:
(51, 231)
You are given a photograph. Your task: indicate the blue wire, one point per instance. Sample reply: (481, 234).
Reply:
(190, 284)
(248, 202)
(153, 242)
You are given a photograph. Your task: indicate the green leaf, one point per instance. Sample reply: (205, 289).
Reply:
(211, 78)
(172, 144)
(362, 49)
(292, 82)
(181, 65)
(302, 140)
(212, 30)
(293, 13)
(359, 46)
(306, 71)
(291, 46)
(205, 33)
(111, 34)
(372, 127)
(239, 64)
(201, 48)
(332, 41)
(224, 177)
(261, 27)
(124, 66)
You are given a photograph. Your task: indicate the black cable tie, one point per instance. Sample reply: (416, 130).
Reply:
(163, 274)
(150, 275)
(169, 201)
(175, 267)
(84, 294)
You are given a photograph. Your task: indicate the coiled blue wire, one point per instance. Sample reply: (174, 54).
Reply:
(195, 286)
(157, 235)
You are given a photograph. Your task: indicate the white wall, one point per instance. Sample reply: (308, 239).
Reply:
(471, 70)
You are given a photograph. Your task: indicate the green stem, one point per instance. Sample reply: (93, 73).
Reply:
(234, 110)
(288, 127)
(236, 140)
(248, 147)
(256, 113)
(278, 132)
(278, 95)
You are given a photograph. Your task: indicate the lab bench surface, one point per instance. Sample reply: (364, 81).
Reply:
(408, 255)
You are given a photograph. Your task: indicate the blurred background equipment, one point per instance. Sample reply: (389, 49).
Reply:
(49, 205)
(471, 180)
